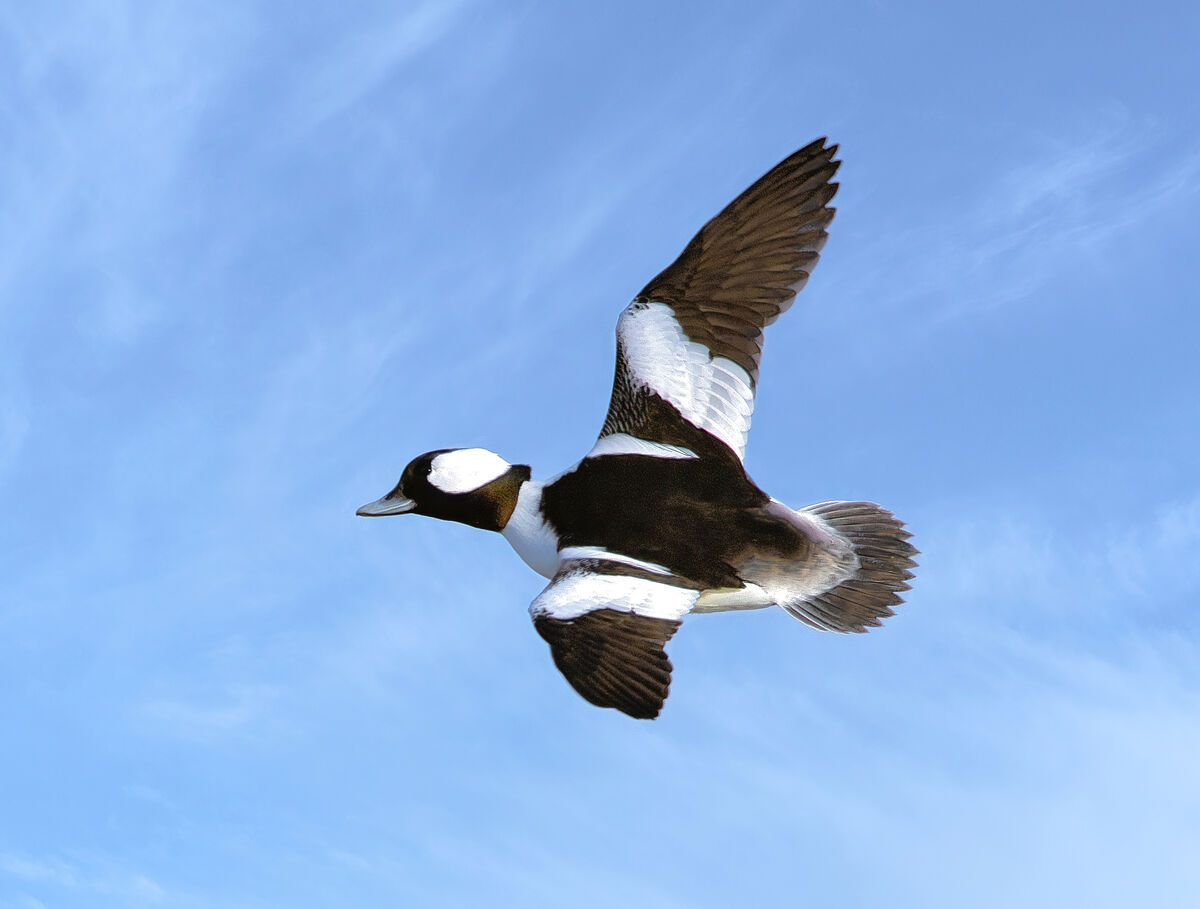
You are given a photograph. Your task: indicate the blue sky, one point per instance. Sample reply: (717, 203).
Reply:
(254, 257)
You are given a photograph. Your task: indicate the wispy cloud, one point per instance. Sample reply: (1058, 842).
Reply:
(81, 876)
(1074, 202)
(14, 424)
(1071, 204)
(1158, 560)
(107, 112)
(359, 61)
(249, 261)
(1020, 712)
(240, 712)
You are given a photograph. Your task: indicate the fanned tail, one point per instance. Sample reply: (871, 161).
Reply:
(885, 560)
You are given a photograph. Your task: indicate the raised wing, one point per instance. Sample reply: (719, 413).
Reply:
(690, 343)
(607, 624)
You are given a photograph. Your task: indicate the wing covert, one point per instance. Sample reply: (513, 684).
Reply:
(607, 623)
(693, 337)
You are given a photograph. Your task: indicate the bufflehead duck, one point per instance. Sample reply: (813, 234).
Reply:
(659, 519)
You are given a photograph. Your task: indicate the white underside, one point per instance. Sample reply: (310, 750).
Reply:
(727, 599)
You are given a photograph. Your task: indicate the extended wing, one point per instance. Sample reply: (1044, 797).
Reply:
(690, 343)
(607, 623)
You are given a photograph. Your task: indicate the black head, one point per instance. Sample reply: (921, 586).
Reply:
(469, 485)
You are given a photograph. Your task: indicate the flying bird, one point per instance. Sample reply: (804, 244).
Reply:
(660, 520)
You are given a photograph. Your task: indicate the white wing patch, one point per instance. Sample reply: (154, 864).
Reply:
(579, 591)
(601, 554)
(714, 393)
(621, 443)
(466, 469)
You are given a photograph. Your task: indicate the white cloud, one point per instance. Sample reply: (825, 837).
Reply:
(82, 875)
(988, 746)
(1071, 203)
(241, 711)
(14, 424)
(107, 113)
(360, 61)
(1072, 200)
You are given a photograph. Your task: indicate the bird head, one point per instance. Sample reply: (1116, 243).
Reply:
(469, 485)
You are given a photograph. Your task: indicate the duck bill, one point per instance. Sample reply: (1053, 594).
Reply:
(389, 504)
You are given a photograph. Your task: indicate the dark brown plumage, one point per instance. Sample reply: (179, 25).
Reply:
(614, 659)
(745, 265)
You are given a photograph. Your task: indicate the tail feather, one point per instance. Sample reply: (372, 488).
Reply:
(884, 558)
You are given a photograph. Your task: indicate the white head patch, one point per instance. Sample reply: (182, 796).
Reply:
(466, 469)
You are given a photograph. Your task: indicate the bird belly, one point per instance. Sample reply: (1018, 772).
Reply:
(728, 599)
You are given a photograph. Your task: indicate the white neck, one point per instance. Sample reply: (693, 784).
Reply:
(528, 534)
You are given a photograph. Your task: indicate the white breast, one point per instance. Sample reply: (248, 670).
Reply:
(532, 538)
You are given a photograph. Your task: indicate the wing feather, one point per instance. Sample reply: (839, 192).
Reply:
(607, 624)
(693, 337)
